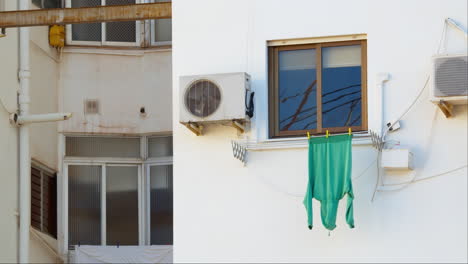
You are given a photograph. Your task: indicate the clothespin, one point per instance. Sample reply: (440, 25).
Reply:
(327, 134)
(349, 131)
(308, 135)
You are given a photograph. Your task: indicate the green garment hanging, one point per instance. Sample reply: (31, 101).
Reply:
(330, 161)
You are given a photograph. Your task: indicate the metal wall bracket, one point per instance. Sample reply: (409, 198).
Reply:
(239, 125)
(446, 108)
(197, 129)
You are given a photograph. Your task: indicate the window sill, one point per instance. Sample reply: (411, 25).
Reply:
(296, 143)
(122, 51)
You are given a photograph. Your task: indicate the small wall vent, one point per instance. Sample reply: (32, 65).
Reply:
(91, 106)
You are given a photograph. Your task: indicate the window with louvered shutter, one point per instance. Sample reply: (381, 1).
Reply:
(44, 201)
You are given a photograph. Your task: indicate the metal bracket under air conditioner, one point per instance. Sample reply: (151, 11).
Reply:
(239, 125)
(446, 108)
(197, 129)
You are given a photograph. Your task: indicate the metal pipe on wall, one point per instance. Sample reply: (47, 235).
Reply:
(24, 155)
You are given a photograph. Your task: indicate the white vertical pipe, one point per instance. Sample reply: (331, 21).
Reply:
(24, 155)
(382, 78)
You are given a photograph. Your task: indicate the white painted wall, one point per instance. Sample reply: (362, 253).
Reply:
(44, 96)
(43, 136)
(8, 143)
(227, 212)
(43, 92)
(123, 81)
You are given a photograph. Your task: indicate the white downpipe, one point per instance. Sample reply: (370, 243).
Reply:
(24, 155)
(382, 78)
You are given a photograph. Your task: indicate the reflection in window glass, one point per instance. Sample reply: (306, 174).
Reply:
(297, 90)
(161, 202)
(341, 86)
(122, 205)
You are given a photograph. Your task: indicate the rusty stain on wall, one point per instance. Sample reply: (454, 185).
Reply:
(62, 16)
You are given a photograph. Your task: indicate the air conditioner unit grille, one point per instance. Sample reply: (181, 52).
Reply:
(202, 98)
(451, 77)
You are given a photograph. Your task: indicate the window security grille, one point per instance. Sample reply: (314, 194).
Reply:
(158, 32)
(105, 34)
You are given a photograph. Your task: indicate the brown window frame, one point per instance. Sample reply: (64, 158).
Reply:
(273, 89)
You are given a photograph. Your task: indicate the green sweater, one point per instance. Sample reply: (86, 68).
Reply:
(330, 161)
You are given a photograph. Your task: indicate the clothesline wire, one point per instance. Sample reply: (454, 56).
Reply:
(384, 134)
(442, 38)
(425, 178)
(364, 171)
(426, 146)
(302, 195)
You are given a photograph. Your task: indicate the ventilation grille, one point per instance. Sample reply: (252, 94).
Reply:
(451, 76)
(91, 107)
(202, 98)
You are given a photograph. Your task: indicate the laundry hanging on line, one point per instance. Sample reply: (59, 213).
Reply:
(330, 162)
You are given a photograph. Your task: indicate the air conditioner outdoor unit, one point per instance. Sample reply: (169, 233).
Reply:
(450, 79)
(214, 98)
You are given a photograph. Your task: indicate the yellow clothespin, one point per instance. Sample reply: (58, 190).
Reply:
(308, 135)
(327, 134)
(349, 131)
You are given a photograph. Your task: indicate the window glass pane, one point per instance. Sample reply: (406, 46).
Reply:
(161, 185)
(86, 32)
(160, 147)
(50, 205)
(84, 205)
(122, 205)
(37, 3)
(162, 30)
(103, 147)
(341, 86)
(121, 31)
(52, 3)
(297, 90)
